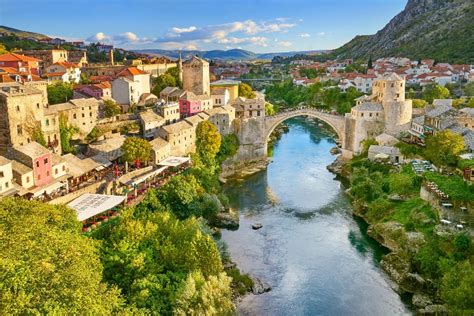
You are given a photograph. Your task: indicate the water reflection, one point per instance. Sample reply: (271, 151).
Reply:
(316, 256)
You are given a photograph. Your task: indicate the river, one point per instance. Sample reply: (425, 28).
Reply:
(311, 250)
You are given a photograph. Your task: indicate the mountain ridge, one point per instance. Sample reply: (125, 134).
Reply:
(438, 29)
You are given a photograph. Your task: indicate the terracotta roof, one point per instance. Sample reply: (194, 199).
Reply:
(54, 74)
(66, 64)
(6, 78)
(131, 71)
(17, 57)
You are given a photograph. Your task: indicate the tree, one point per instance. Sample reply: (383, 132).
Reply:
(269, 109)
(66, 132)
(246, 91)
(229, 147)
(469, 89)
(456, 287)
(136, 150)
(47, 266)
(365, 185)
(198, 296)
(444, 148)
(401, 183)
(370, 63)
(111, 108)
(59, 92)
(175, 73)
(163, 81)
(419, 103)
(208, 142)
(3, 49)
(470, 104)
(153, 259)
(434, 91)
(178, 194)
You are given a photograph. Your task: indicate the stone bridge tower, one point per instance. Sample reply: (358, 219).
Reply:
(196, 76)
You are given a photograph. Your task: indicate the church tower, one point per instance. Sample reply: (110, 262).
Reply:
(196, 76)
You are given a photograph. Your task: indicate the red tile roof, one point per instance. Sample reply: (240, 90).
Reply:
(66, 64)
(131, 71)
(17, 57)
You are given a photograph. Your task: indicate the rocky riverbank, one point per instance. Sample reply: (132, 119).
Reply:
(403, 245)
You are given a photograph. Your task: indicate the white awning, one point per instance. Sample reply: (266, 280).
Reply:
(146, 176)
(174, 161)
(88, 205)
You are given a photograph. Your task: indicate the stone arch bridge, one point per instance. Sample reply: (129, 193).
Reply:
(335, 121)
(254, 133)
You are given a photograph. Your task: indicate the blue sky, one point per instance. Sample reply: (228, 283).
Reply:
(256, 25)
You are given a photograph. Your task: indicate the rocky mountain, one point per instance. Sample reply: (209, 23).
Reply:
(438, 29)
(21, 34)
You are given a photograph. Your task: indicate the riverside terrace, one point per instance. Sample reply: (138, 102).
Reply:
(96, 209)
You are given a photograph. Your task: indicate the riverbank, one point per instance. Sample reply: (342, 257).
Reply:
(387, 199)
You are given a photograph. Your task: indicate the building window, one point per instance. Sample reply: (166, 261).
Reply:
(27, 179)
(19, 130)
(45, 161)
(55, 170)
(37, 164)
(47, 122)
(37, 105)
(74, 115)
(18, 108)
(47, 173)
(39, 177)
(6, 185)
(2, 174)
(64, 168)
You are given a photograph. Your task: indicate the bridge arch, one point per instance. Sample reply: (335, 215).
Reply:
(336, 122)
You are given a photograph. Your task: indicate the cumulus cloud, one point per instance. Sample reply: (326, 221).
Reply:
(285, 43)
(305, 35)
(126, 38)
(227, 33)
(321, 33)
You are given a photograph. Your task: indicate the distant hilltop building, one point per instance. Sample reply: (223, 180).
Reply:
(195, 73)
(385, 110)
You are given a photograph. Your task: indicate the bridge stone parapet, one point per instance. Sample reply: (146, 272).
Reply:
(254, 133)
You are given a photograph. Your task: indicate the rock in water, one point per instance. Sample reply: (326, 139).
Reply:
(257, 226)
(260, 287)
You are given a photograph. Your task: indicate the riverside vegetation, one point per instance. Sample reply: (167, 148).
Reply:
(433, 264)
(158, 257)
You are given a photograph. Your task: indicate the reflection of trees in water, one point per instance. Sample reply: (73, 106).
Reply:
(363, 243)
(311, 126)
(252, 191)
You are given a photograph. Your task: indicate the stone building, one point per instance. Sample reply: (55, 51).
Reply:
(81, 113)
(171, 94)
(232, 87)
(23, 116)
(195, 72)
(129, 86)
(386, 110)
(161, 150)
(248, 108)
(220, 96)
(6, 176)
(47, 56)
(151, 123)
(36, 157)
(169, 111)
(180, 136)
(63, 71)
(222, 117)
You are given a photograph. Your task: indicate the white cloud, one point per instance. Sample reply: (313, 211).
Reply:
(191, 47)
(305, 35)
(285, 43)
(127, 38)
(321, 33)
(184, 30)
(99, 37)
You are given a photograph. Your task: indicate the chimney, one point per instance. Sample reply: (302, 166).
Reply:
(111, 57)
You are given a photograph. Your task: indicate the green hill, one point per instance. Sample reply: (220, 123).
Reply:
(20, 33)
(438, 29)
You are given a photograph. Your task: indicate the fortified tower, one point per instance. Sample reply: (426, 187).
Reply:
(389, 90)
(196, 76)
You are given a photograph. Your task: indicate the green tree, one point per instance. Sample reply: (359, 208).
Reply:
(469, 89)
(59, 92)
(419, 103)
(178, 194)
(434, 91)
(444, 148)
(208, 142)
(47, 266)
(111, 108)
(175, 73)
(470, 104)
(229, 147)
(66, 132)
(136, 150)
(269, 109)
(246, 91)
(401, 183)
(3, 49)
(198, 296)
(151, 260)
(163, 81)
(365, 185)
(457, 288)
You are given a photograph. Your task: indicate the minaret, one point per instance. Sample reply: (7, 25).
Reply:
(111, 57)
(180, 67)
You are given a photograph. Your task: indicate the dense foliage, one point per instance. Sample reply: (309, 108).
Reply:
(169, 79)
(59, 92)
(111, 108)
(47, 266)
(433, 91)
(136, 150)
(319, 95)
(246, 91)
(66, 132)
(444, 148)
